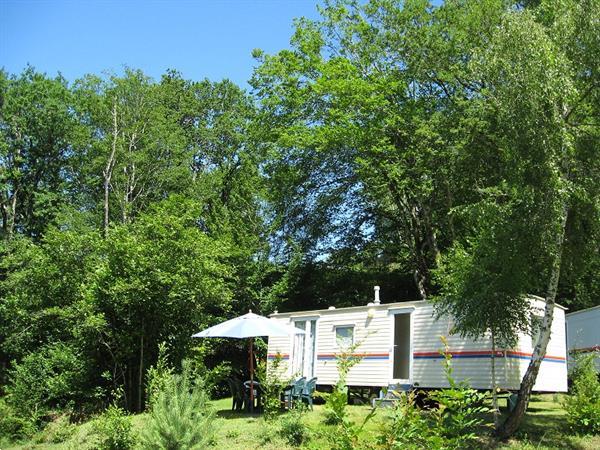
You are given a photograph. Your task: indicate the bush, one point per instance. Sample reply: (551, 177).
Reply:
(181, 416)
(158, 376)
(337, 400)
(58, 430)
(12, 426)
(336, 403)
(293, 429)
(113, 428)
(460, 409)
(409, 428)
(48, 379)
(272, 386)
(583, 405)
(452, 425)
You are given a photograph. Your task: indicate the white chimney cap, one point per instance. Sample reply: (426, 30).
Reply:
(377, 301)
(331, 307)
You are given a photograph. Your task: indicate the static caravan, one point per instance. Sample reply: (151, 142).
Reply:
(400, 343)
(583, 332)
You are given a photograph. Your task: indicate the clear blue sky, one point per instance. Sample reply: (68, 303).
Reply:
(200, 38)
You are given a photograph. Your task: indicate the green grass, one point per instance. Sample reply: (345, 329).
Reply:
(544, 428)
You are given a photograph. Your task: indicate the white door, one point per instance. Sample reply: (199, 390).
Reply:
(304, 348)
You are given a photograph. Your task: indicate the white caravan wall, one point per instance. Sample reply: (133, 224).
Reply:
(373, 326)
(583, 331)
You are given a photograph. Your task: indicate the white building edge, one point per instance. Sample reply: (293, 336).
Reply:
(400, 344)
(583, 332)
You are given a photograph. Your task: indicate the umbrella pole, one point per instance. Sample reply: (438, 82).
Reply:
(251, 374)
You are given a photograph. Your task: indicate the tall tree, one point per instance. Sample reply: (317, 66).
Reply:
(532, 88)
(360, 113)
(38, 133)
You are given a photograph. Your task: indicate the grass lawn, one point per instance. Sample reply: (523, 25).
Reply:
(544, 428)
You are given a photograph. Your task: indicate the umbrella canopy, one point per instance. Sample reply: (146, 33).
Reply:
(249, 325)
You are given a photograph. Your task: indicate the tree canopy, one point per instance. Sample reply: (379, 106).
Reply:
(445, 152)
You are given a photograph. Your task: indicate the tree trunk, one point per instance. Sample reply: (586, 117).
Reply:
(494, 385)
(12, 215)
(108, 170)
(513, 421)
(141, 372)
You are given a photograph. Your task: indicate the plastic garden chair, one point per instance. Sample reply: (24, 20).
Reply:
(237, 394)
(297, 390)
(293, 391)
(308, 391)
(257, 395)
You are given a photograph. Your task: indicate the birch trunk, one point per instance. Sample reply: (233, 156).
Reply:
(494, 384)
(108, 170)
(513, 421)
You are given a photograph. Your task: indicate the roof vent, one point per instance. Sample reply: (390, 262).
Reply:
(377, 301)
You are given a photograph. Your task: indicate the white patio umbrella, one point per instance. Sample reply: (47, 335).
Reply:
(249, 326)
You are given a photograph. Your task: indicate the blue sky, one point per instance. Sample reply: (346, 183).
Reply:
(200, 38)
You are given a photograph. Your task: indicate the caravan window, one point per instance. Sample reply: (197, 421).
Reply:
(344, 336)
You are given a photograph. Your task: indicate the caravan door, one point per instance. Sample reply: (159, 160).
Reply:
(401, 346)
(304, 348)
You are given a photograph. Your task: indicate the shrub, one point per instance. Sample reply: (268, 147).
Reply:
(452, 425)
(12, 426)
(336, 403)
(181, 416)
(460, 409)
(409, 428)
(58, 430)
(293, 429)
(50, 378)
(272, 386)
(337, 400)
(158, 376)
(113, 428)
(583, 405)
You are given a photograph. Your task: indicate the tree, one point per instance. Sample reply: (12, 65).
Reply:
(135, 150)
(519, 225)
(360, 119)
(38, 132)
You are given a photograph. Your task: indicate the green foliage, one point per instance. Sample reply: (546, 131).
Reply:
(409, 427)
(113, 429)
(12, 426)
(453, 424)
(293, 429)
(181, 416)
(58, 430)
(271, 385)
(583, 403)
(336, 401)
(158, 376)
(50, 378)
(461, 409)
(349, 432)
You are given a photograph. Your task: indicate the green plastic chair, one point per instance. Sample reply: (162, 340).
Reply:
(307, 392)
(237, 394)
(293, 392)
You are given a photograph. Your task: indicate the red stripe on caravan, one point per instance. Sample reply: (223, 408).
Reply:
(484, 353)
(333, 355)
